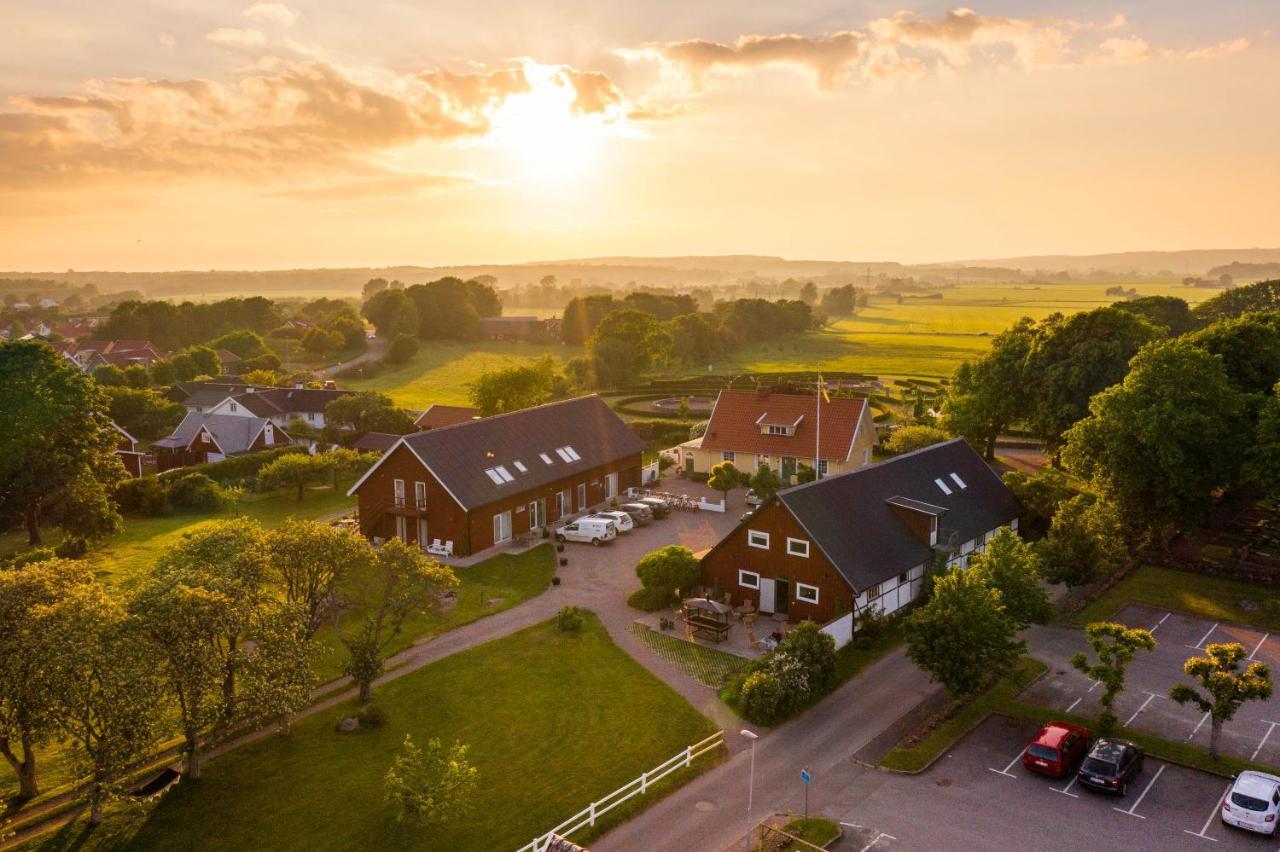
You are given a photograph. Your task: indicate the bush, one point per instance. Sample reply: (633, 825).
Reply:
(569, 619)
(71, 548)
(31, 557)
(650, 600)
(198, 492)
(812, 653)
(146, 495)
(665, 570)
(402, 348)
(910, 438)
(372, 715)
(237, 470)
(762, 698)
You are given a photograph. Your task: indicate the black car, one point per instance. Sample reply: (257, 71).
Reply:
(1110, 766)
(657, 505)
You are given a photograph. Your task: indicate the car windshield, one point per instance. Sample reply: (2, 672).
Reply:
(1098, 767)
(1249, 803)
(1043, 752)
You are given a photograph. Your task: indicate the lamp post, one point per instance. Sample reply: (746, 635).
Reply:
(751, 783)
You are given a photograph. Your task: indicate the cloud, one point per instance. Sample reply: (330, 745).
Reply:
(906, 44)
(309, 118)
(273, 13)
(235, 37)
(377, 187)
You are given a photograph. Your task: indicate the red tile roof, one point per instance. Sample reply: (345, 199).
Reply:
(445, 415)
(738, 415)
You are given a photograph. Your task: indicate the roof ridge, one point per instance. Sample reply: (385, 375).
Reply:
(493, 417)
(872, 466)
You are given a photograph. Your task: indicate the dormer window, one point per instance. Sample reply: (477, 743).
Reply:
(778, 430)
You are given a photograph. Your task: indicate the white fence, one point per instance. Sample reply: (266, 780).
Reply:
(840, 630)
(649, 474)
(710, 505)
(637, 787)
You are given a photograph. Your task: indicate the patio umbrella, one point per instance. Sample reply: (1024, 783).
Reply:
(708, 605)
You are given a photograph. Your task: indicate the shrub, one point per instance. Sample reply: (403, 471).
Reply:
(665, 570)
(71, 548)
(650, 600)
(146, 495)
(811, 655)
(236, 470)
(762, 698)
(372, 715)
(31, 557)
(569, 619)
(872, 622)
(910, 438)
(402, 348)
(198, 492)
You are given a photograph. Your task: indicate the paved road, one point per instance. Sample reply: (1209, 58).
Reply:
(375, 350)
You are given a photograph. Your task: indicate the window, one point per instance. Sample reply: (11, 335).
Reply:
(822, 468)
(502, 526)
(397, 489)
(749, 579)
(806, 593)
(779, 430)
(797, 547)
(955, 477)
(866, 456)
(564, 456)
(493, 476)
(573, 454)
(902, 578)
(562, 504)
(546, 458)
(873, 592)
(504, 473)
(942, 486)
(420, 494)
(582, 497)
(520, 466)
(311, 415)
(233, 407)
(728, 455)
(755, 538)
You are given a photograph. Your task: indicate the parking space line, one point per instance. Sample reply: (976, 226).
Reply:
(1196, 729)
(1161, 621)
(1199, 645)
(1150, 784)
(1217, 809)
(1096, 684)
(1073, 705)
(1006, 771)
(1150, 695)
(1066, 791)
(1271, 726)
(1258, 646)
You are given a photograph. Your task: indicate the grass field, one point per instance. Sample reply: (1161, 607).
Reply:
(1215, 598)
(442, 370)
(512, 701)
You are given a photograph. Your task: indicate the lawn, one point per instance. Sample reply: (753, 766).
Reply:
(1214, 598)
(442, 370)
(554, 720)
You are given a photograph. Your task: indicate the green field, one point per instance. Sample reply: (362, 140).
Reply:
(442, 370)
(554, 720)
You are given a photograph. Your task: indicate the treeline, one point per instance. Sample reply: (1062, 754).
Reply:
(171, 326)
(447, 309)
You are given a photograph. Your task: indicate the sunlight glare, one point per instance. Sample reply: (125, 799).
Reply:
(540, 129)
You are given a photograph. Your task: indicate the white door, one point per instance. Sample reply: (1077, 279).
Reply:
(402, 528)
(423, 541)
(502, 527)
(582, 497)
(767, 588)
(537, 514)
(611, 485)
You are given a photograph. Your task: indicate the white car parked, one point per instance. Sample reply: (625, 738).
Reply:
(1253, 802)
(597, 531)
(622, 519)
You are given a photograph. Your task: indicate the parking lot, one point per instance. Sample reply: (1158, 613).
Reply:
(1145, 703)
(978, 796)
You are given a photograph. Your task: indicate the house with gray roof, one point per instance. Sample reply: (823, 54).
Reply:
(203, 437)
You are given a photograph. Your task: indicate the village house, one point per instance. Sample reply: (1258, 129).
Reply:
(781, 430)
(481, 483)
(206, 437)
(512, 328)
(281, 406)
(444, 415)
(202, 396)
(862, 539)
(89, 355)
(127, 451)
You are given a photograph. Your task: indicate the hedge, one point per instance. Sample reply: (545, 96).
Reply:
(236, 469)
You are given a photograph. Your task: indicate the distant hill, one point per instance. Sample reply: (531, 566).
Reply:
(1189, 262)
(1247, 271)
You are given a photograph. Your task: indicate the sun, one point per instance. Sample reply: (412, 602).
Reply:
(542, 131)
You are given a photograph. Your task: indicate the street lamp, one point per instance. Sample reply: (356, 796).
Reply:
(751, 784)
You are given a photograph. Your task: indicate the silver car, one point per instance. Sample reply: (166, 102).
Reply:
(639, 512)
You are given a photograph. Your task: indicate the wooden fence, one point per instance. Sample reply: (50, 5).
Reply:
(636, 787)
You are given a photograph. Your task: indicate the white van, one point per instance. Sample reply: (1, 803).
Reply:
(595, 530)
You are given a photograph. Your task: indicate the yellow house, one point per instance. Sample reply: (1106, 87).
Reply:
(783, 431)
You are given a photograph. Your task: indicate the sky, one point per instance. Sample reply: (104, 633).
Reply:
(177, 134)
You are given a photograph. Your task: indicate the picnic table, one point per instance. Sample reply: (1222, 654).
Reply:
(707, 618)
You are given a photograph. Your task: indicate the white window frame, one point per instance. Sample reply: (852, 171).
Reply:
(822, 468)
(751, 539)
(502, 520)
(802, 588)
(729, 456)
(582, 496)
(419, 494)
(744, 576)
(803, 551)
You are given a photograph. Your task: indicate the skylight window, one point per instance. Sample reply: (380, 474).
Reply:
(546, 458)
(573, 454)
(564, 456)
(942, 485)
(520, 467)
(955, 477)
(493, 475)
(504, 473)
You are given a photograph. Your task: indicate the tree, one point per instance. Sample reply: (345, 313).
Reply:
(625, 344)
(1249, 347)
(311, 560)
(367, 411)
(694, 339)
(54, 431)
(1262, 296)
(135, 376)
(108, 692)
(1074, 358)
(514, 388)
(293, 470)
(109, 376)
(809, 293)
(663, 574)
(403, 581)
(350, 329)
(244, 342)
(911, 438)
(1163, 440)
(162, 372)
(263, 378)
(1225, 686)
(372, 287)
(838, 301)
(403, 348)
(963, 636)
(1086, 541)
(989, 394)
(1012, 566)
(1040, 495)
(143, 413)
(1114, 647)
(28, 701)
(765, 482)
(724, 478)
(1262, 467)
(431, 787)
(317, 341)
(581, 316)
(392, 313)
(206, 360)
(1168, 313)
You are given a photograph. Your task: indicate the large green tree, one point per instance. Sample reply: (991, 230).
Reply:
(144, 413)
(311, 560)
(1159, 443)
(366, 411)
(1085, 542)
(1262, 296)
(624, 345)
(1114, 647)
(1012, 566)
(1249, 346)
(54, 432)
(1168, 313)
(988, 395)
(514, 388)
(1226, 685)
(963, 636)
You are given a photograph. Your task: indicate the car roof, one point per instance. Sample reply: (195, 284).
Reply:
(1109, 750)
(1053, 733)
(1257, 784)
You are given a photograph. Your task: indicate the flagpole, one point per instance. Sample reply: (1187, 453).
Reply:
(817, 439)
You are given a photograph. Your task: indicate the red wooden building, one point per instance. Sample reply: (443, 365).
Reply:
(483, 482)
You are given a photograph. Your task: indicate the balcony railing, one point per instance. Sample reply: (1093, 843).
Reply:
(419, 503)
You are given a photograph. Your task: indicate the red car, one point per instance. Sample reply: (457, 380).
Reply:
(1057, 750)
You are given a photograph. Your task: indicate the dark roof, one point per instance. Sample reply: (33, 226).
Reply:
(200, 393)
(916, 505)
(233, 434)
(459, 456)
(375, 442)
(272, 402)
(849, 516)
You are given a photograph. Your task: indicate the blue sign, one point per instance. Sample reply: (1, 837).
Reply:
(805, 776)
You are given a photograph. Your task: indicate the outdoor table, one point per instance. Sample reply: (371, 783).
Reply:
(708, 627)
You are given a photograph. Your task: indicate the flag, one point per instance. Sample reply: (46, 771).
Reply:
(822, 388)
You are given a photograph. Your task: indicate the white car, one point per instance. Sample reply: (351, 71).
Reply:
(754, 499)
(597, 531)
(622, 519)
(1253, 802)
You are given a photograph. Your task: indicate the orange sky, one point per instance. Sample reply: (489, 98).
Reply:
(152, 136)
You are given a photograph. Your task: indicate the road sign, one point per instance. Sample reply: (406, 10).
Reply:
(805, 776)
